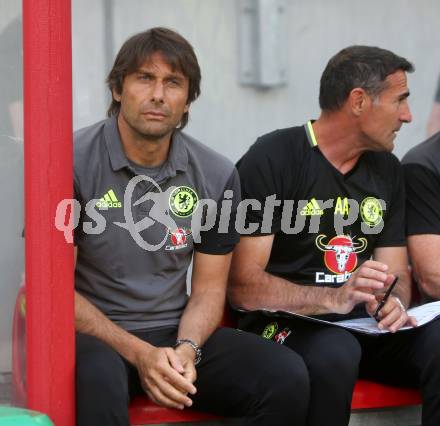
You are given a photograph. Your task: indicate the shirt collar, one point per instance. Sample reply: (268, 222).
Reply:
(177, 158)
(114, 144)
(178, 155)
(310, 133)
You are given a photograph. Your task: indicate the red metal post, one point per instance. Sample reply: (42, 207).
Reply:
(48, 180)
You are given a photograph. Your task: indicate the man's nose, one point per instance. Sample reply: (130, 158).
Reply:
(406, 116)
(158, 92)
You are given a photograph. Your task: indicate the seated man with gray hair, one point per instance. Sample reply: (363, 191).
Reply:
(336, 241)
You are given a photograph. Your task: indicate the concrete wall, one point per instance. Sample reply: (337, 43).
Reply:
(229, 116)
(11, 171)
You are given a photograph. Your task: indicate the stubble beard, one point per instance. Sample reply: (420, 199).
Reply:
(148, 132)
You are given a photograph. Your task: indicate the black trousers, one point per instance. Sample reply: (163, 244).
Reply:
(240, 375)
(336, 357)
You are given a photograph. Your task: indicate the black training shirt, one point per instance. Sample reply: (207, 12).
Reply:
(289, 164)
(421, 166)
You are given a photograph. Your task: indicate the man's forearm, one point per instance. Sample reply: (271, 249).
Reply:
(261, 290)
(202, 316)
(424, 251)
(90, 320)
(430, 284)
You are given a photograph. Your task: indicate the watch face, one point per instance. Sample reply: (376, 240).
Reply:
(371, 211)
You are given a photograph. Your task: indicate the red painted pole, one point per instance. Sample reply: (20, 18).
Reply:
(48, 180)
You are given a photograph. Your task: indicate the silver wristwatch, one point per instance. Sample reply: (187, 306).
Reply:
(194, 345)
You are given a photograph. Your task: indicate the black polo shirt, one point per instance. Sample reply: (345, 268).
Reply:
(289, 164)
(141, 284)
(421, 166)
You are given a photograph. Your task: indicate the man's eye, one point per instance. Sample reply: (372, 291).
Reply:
(144, 77)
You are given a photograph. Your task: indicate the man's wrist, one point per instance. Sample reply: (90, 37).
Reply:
(328, 298)
(186, 352)
(189, 348)
(139, 350)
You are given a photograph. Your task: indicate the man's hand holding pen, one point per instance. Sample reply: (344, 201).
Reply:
(389, 311)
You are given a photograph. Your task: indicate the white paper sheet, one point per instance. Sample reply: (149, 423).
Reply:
(423, 314)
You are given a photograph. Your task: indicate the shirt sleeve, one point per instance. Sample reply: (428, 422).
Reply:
(222, 237)
(422, 200)
(263, 186)
(393, 234)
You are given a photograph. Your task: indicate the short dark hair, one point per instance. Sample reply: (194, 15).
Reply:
(366, 67)
(172, 46)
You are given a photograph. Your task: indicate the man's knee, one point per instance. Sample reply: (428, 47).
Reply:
(282, 378)
(282, 386)
(286, 377)
(258, 375)
(338, 357)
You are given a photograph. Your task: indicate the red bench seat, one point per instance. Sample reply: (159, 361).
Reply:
(145, 412)
(367, 395)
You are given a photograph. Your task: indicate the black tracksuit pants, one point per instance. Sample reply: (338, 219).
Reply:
(336, 357)
(240, 375)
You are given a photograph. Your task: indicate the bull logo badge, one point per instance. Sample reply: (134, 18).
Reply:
(340, 253)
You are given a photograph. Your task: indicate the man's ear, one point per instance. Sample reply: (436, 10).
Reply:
(186, 108)
(358, 101)
(116, 95)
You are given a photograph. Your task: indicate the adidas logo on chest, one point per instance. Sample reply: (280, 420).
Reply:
(109, 201)
(312, 209)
